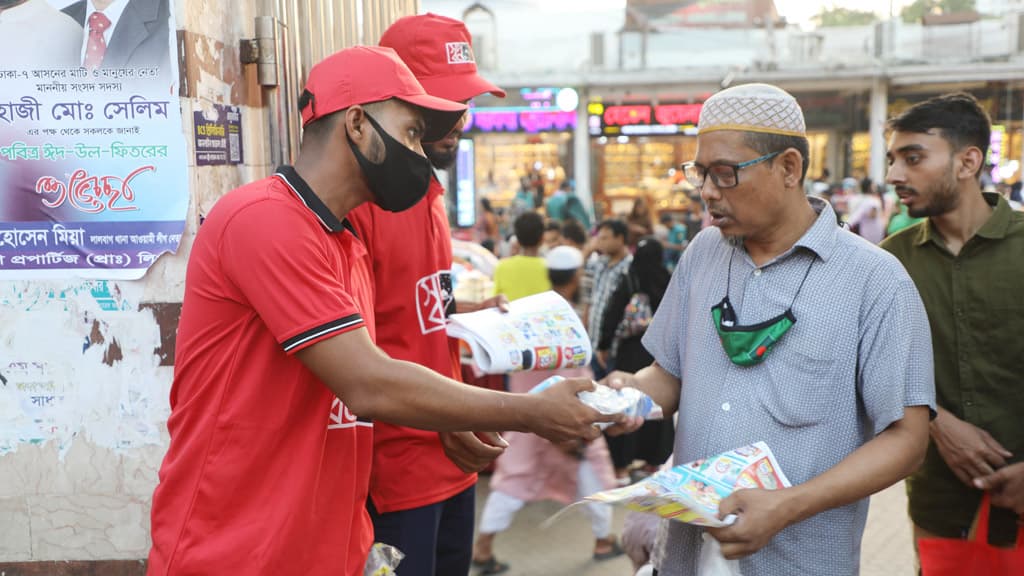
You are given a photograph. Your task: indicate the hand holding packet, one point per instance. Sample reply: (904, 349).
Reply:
(628, 401)
(383, 560)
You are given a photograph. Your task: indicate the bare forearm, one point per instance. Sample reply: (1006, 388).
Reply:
(373, 385)
(888, 458)
(411, 395)
(414, 396)
(661, 386)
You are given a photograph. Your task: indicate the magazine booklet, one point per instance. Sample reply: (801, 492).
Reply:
(539, 332)
(692, 492)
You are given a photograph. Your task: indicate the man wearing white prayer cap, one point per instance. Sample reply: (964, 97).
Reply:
(780, 326)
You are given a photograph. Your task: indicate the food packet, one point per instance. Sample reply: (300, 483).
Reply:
(383, 560)
(628, 401)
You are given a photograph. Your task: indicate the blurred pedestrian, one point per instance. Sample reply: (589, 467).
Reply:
(574, 234)
(533, 469)
(627, 314)
(525, 273)
(555, 207)
(552, 236)
(868, 219)
(606, 273)
(487, 222)
(675, 240)
(640, 222)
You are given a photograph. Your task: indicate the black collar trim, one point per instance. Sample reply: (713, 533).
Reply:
(330, 222)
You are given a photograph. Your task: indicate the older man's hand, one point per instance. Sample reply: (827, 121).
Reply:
(761, 514)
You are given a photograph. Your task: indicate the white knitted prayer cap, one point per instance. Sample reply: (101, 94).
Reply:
(753, 108)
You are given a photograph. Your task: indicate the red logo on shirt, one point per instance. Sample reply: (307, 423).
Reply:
(434, 301)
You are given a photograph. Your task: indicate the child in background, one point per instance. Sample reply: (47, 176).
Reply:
(524, 274)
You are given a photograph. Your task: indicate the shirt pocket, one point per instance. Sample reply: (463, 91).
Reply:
(797, 389)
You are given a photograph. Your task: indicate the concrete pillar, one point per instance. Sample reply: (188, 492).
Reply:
(581, 153)
(879, 114)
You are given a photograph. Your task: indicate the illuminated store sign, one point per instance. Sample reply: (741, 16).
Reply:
(531, 110)
(642, 119)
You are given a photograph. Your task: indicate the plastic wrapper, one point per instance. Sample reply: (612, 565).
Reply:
(712, 562)
(628, 401)
(383, 560)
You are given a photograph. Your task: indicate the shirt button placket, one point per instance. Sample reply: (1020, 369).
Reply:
(962, 333)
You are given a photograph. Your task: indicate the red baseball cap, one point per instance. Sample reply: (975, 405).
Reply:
(439, 51)
(365, 74)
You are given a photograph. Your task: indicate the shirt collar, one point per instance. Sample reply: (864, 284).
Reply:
(327, 219)
(436, 188)
(994, 228)
(112, 12)
(820, 238)
(999, 222)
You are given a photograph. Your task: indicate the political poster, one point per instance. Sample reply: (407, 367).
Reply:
(93, 160)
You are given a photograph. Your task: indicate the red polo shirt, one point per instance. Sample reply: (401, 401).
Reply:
(267, 471)
(411, 253)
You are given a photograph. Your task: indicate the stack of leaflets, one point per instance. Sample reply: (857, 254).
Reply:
(692, 492)
(539, 332)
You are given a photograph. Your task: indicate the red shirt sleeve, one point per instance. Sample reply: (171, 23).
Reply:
(292, 272)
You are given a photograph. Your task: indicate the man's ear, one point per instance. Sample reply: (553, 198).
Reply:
(355, 123)
(792, 163)
(971, 160)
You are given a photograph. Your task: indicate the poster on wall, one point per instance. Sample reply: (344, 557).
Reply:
(218, 135)
(93, 166)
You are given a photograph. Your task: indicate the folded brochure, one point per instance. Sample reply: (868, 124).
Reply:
(539, 332)
(692, 492)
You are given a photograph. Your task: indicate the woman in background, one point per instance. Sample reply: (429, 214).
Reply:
(645, 281)
(639, 222)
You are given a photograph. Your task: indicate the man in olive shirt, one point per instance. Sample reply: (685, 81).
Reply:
(966, 261)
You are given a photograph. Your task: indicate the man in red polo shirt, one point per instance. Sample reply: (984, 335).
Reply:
(422, 500)
(277, 380)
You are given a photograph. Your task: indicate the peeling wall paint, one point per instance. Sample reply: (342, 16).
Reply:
(79, 360)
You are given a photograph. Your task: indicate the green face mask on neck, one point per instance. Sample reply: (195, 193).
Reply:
(748, 345)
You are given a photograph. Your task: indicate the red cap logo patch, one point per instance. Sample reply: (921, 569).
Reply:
(460, 53)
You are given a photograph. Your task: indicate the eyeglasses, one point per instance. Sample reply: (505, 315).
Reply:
(723, 174)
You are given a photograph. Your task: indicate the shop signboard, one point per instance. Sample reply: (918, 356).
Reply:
(642, 119)
(530, 111)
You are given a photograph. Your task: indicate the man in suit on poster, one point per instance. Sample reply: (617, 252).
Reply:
(123, 33)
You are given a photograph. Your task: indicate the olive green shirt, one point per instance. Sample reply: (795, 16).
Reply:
(975, 305)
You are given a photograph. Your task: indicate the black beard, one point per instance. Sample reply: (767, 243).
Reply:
(441, 159)
(943, 197)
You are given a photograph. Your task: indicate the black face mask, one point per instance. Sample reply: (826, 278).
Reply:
(401, 179)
